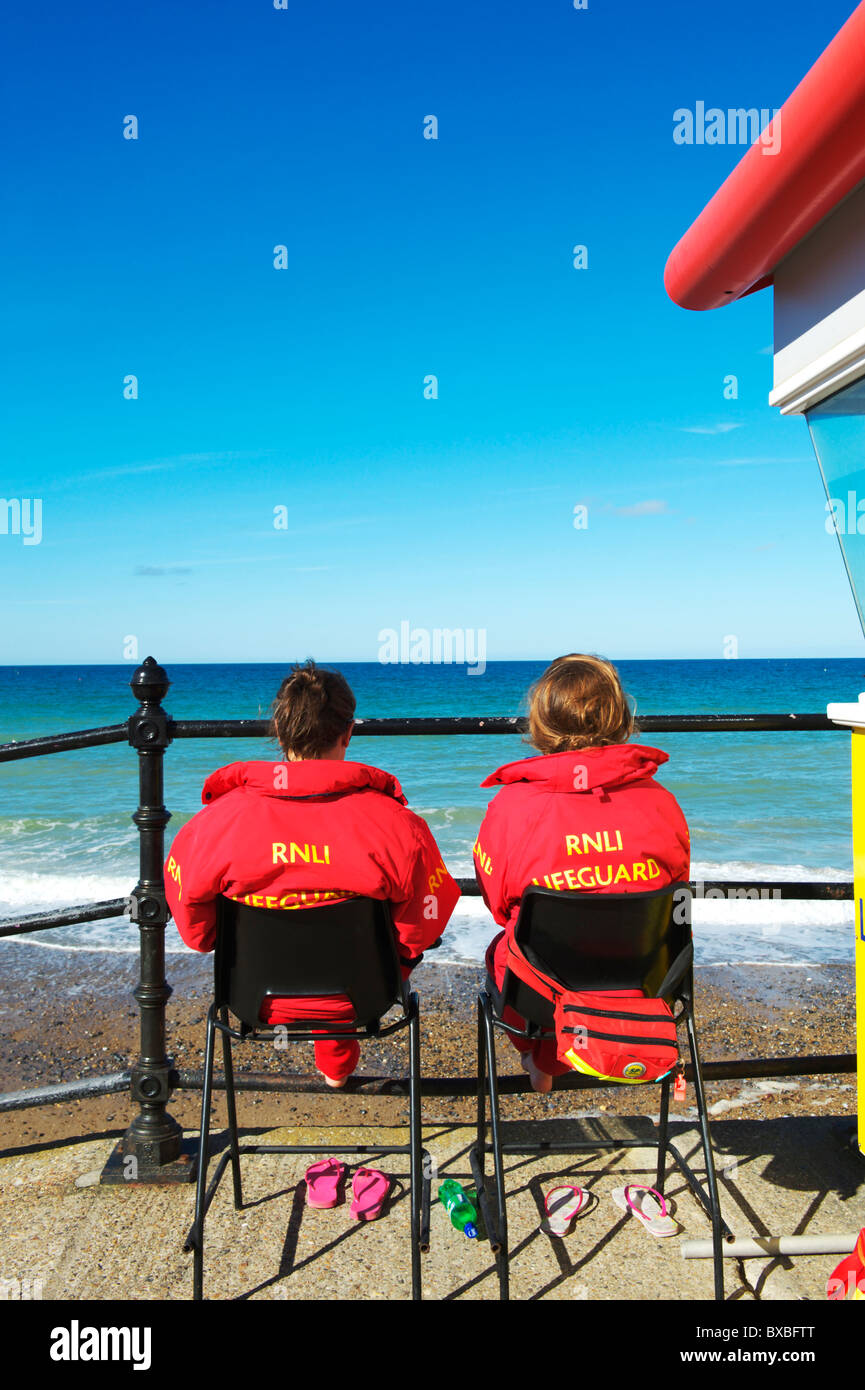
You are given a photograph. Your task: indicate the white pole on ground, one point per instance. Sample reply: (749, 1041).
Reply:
(752, 1247)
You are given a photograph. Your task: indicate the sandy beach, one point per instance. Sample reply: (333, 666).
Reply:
(77, 1018)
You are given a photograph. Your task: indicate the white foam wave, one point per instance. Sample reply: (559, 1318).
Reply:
(23, 892)
(748, 869)
(725, 931)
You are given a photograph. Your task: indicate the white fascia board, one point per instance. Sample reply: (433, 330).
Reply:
(819, 310)
(838, 367)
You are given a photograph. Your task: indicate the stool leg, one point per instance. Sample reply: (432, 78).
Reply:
(203, 1145)
(231, 1105)
(662, 1134)
(482, 1099)
(503, 1257)
(417, 1176)
(477, 1155)
(717, 1248)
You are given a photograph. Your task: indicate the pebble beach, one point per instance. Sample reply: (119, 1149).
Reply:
(80, 1020)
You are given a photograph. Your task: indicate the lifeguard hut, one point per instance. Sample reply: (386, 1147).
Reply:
(792, 215)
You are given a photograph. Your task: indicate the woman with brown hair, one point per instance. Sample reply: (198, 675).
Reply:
(310, 830)
(587, 815)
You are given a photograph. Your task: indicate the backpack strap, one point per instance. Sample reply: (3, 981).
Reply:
(519, 966)
(681, 965)
(544, 986)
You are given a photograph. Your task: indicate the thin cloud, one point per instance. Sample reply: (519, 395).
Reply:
(710, 429)
(160, 571)
(767, 351)
(317, 527)
(126, 471)
(210, 460)
(652, 507)
(753, 462)
(515, 491)
(188, 566)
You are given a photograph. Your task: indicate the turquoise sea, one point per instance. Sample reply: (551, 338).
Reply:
(763, 806)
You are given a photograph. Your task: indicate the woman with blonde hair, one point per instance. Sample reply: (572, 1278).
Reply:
(587, 815)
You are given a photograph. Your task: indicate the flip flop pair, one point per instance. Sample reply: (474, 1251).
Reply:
(649, 1207)
(369, 1188)
(561, 1205)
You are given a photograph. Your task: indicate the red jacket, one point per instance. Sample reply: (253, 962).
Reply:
(297, 834)
(594, 819)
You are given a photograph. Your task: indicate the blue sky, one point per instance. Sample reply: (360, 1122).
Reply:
(303, 388)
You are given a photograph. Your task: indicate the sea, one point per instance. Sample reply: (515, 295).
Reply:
(759, 806)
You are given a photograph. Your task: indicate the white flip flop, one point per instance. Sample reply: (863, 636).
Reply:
(648, 1206)
(561, 1205)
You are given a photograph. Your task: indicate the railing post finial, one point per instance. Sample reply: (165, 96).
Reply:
(151, 1149)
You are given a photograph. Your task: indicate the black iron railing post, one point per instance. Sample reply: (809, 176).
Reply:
(152, 1148)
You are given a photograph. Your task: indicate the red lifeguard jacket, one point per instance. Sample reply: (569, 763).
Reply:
(594, 820)
(301, 834)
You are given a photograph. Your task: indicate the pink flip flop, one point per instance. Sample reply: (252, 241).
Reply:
(322, 1182)
(370, 1188)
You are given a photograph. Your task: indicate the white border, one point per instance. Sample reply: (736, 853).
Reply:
(833, 370)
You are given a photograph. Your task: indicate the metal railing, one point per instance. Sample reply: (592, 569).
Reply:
(154, 1138)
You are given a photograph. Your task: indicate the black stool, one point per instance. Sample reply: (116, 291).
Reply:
(593, 941)
(346, 948)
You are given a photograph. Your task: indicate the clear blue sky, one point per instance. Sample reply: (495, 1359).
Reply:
(303, 388)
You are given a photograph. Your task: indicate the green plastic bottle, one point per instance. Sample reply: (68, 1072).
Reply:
(458, 1207)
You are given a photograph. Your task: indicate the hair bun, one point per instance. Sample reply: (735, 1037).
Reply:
(579, 703)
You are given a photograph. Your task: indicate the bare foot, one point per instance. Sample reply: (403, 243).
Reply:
(335, 1083)
(541, 1081)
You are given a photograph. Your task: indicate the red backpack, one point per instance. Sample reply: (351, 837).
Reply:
(617, 1035)
(614, 1035)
